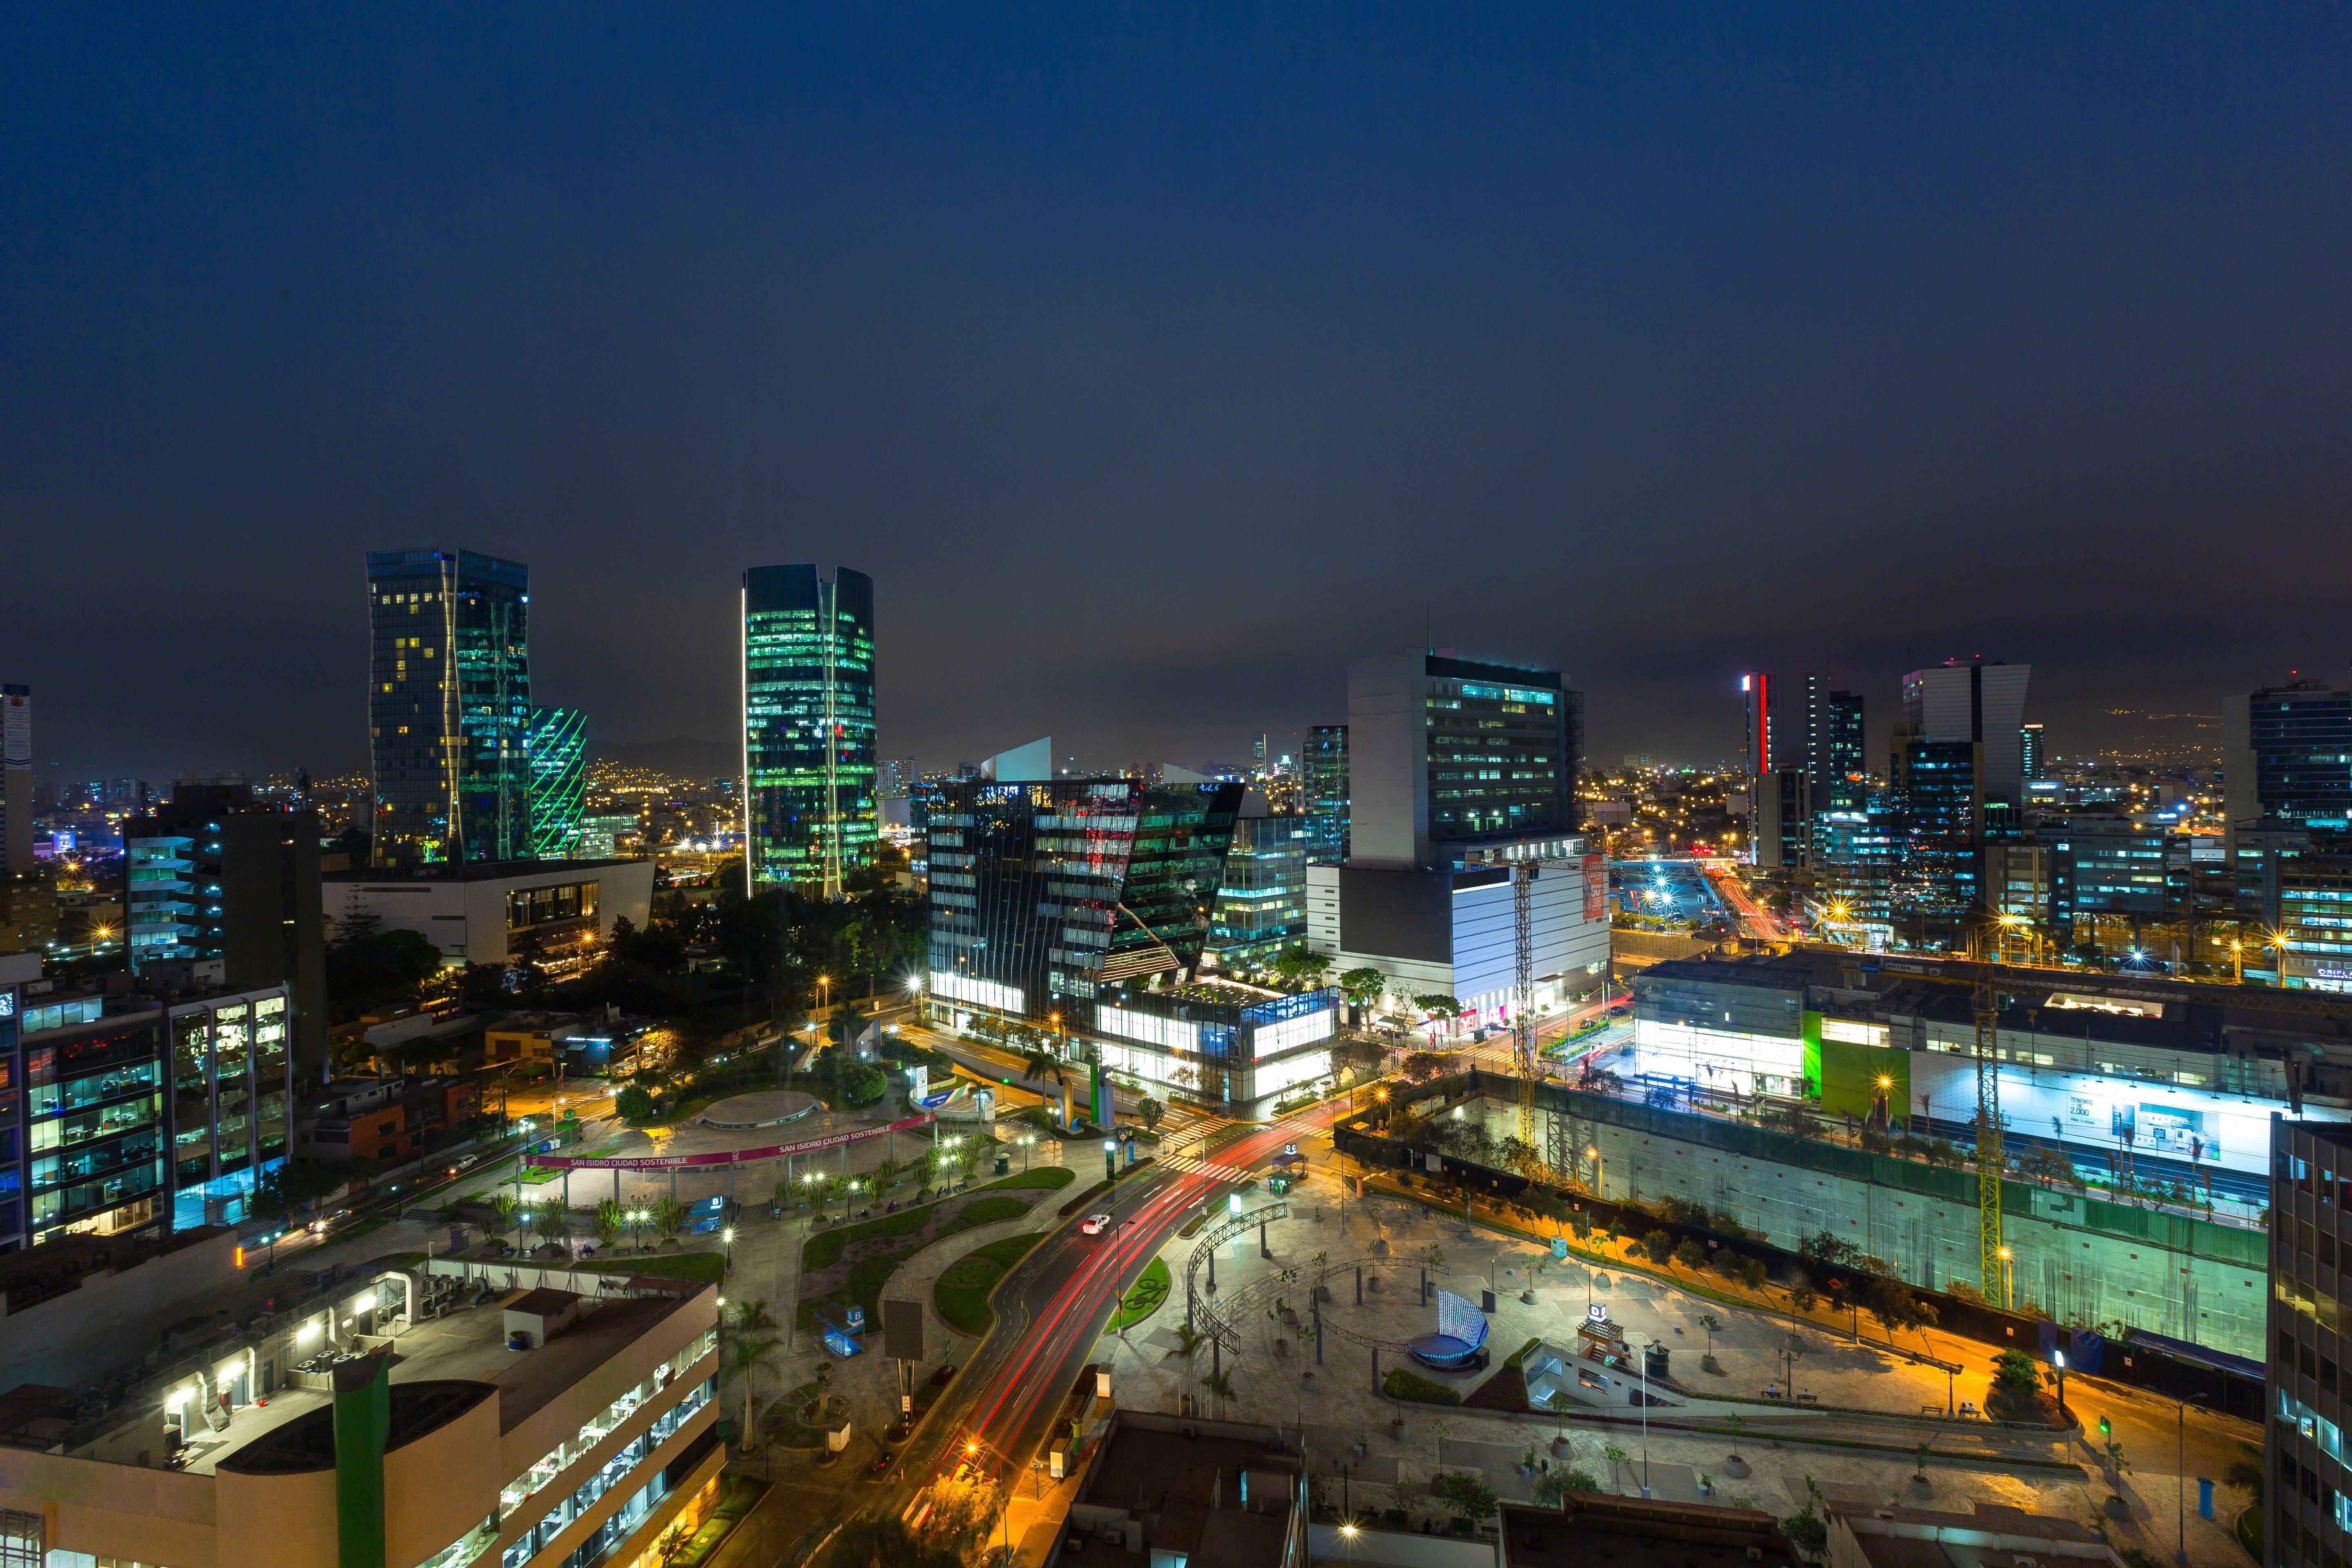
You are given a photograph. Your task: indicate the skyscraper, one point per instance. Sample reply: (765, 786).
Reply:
(1327, 794)
(1956, 777)
(2287, 753)
(214, 874)
(15, 779)
(557, 743)
(2030, 761)
(449, 706)
(808, 726)
(1804, 747)
(1444, 751)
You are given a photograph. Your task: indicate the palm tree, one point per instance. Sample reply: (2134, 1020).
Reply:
(1220, 1384)
(1044, 1064)
(886, 1173)
(607, 1222)
(552, 1218)
(750, 1341)
(669, 1218)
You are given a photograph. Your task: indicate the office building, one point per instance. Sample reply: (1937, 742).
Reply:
(139, 1116)
(1325, 770)
(556, 912)
(808, 727)
(1866, 1533)
(213, 874)
(1262, 897)
(557, 744)
(1457, 773)
(1444, 751)
(2032, 762)
(1786, 753)
(15, 779)
(2287, 755)
(1844, 777)
(448, 707)
(1956, 777)
(2307, 1494)
(1086, 905)
(424, 1417)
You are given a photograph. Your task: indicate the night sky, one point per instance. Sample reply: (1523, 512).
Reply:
(1153, 362)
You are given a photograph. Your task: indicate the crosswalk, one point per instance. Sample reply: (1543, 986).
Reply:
(1180, 1124)
(1193, 1165)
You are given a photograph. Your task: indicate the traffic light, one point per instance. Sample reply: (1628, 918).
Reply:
(2104, 1429)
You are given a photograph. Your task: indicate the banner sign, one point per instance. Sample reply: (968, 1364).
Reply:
(728, 1156)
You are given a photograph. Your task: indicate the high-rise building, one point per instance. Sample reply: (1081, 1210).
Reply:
(1327, 794)
(557, 743)
(1979, 705)
(1957, 780)
(2031, 762)
(16, 778)
(1804, 748)
(449, 706)
(2307, 1500)
(1444, 751)
(1262, 897)
(213, 875)
(808, 727)
(2286, 754)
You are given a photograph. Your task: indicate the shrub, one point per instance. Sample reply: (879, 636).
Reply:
(633, 1104)
(2014, 1372)
(1401, 1384)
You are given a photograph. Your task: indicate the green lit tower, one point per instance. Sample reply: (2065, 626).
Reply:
(808, 727)
(448, 707)
(557, 742)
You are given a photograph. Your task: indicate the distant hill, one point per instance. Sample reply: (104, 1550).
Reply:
(682, 756)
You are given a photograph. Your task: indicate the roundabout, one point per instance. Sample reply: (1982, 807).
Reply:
(767, 1108)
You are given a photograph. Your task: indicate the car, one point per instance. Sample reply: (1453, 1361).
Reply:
(1094, 1225)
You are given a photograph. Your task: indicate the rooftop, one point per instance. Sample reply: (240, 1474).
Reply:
(1591, 1531)
(479, 870)
(1221, 1492)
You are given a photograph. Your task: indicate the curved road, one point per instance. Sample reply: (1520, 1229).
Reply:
(1052, 1307)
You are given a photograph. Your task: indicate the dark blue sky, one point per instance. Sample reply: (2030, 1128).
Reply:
(1153, 362)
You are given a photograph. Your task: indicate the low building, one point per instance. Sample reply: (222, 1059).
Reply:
(1643, 1533)
(1178, 1490)
(1995, 1536)
(1217, 1041)
(530, 1036)
(383, 1120)
(495, 911)
(577, 1451)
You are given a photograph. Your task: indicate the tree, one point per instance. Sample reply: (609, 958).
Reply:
(886, 1171)
(863, 1083)
(1150, 1110)
(1220, 1384)
(634, 1106)
(2015, 1373)
(1422, 1065)
(1752, 1273)
(1805, 1529)
(1364, 987)
(669, 1218)
(1824, 1249)
(1298, 966)
(1553, 1486)
(1439, 1003)
(749, 1339)
(1468, 1493)
(549, 1218)
(503, 1208)
(371, 970)
(1896, 1307)
(607, 1222)
(294, 1183)
(965, 1505)
(1689, 1254)
(1659, 1245)
(1042, 1064)
(1710, 1322)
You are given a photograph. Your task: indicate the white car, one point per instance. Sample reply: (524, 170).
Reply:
(1094, 1225)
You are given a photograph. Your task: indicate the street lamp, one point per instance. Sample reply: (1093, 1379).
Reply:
(1599, 1173)
(1110, 1160)
(2008, 1292)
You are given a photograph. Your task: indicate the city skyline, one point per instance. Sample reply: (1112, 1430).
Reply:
(1646, 352)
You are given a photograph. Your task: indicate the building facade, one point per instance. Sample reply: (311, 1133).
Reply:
(15, 779)
(808, 727)
(1325, 771)
(557, 911)
(2286, 754)
(2307, 1490)
(1444, 750)
(1262, 896)
(557, 744)
(448, 707)
(212, 874)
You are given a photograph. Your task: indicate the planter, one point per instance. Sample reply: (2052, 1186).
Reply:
(1735, 1467)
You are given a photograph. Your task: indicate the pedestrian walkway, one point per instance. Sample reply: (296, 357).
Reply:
(1193, 1165)
(1181, 1124)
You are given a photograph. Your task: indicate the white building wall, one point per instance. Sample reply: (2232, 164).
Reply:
(1388, 765)
(1323, 910)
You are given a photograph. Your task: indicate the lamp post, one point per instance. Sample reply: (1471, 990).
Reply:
(2181, 1475)
(1110, 1160)
(1599, 1173)
(2060, 1357)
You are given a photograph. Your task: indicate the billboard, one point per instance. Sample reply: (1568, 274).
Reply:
(1596, 888)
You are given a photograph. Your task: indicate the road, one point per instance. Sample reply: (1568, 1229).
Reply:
(1053, 1306)
(1753, 921)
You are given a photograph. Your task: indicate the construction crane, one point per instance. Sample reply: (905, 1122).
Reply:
(1990, 1255)
(1523, 1010)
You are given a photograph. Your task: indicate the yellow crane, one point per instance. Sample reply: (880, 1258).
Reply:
(1988, 1153)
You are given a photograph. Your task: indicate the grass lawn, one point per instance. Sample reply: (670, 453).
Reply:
(962, 1294)
(1147, 1296)
(703, 1268)
(1041, 1177)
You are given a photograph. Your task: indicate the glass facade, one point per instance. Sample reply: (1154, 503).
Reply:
(12, 1132)
(1502, 746)
(449, 706)
(1042, 892)
(230, 1089)
(1325, 768)
(95, 1133)
(1261, 898)
(2301, 738)
(1935, 792)
(808, 726)
(557, 744)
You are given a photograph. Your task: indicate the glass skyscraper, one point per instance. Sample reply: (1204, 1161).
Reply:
(2287, 755)
(1325, 769)
(449, 706)
(808, 727)
(557, 743)
(1262, 898)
